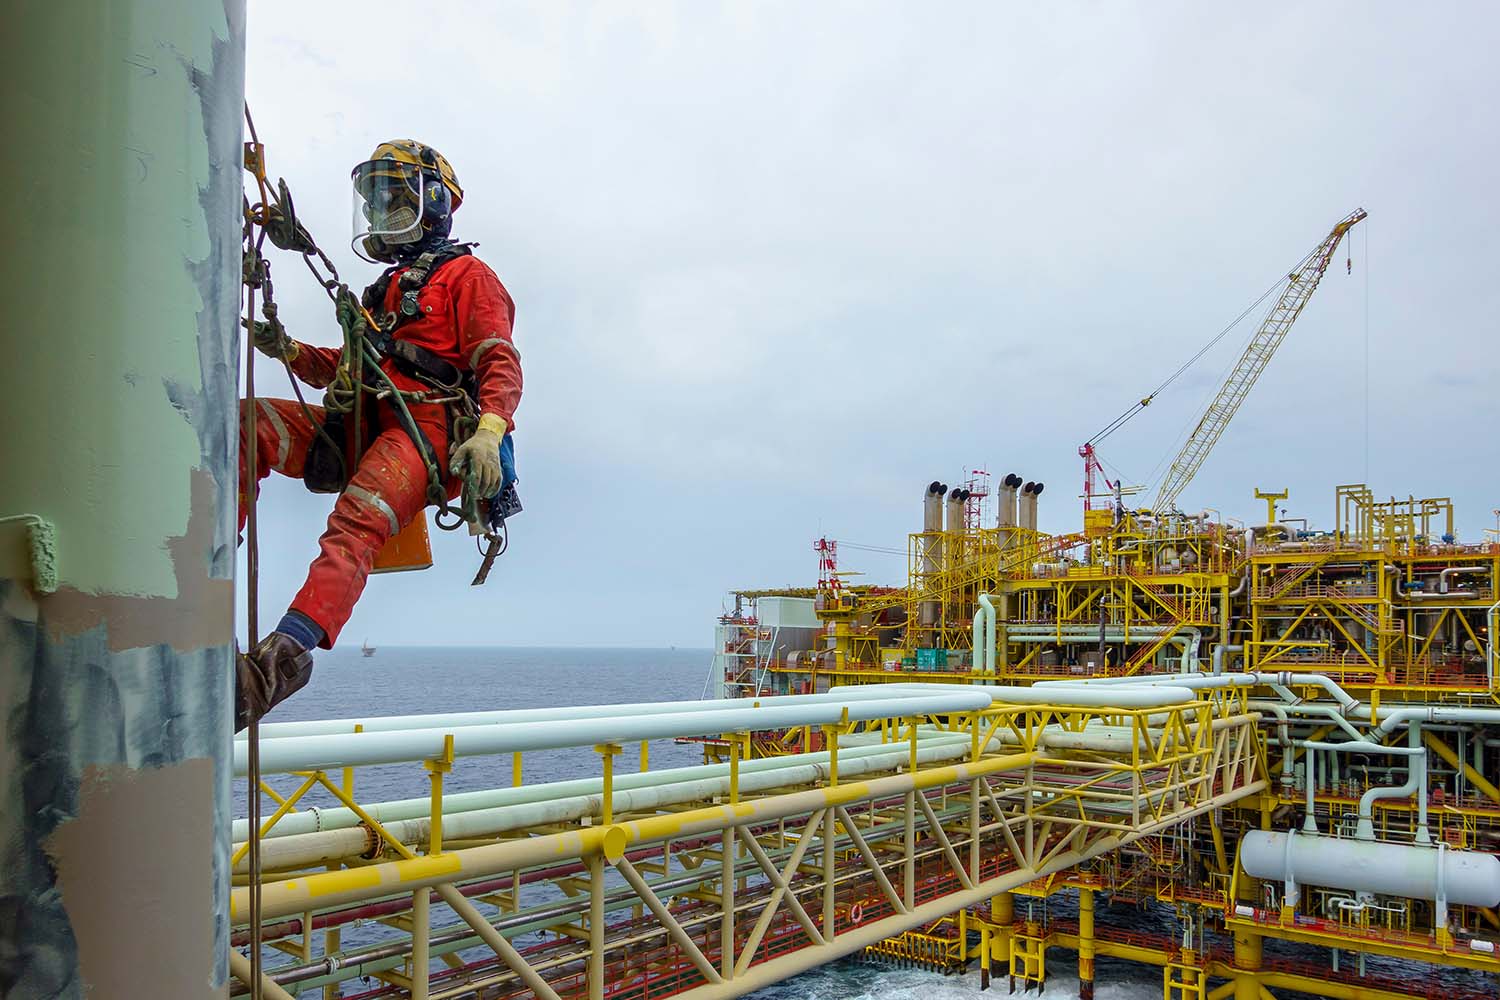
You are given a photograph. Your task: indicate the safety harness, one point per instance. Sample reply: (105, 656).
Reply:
(328, 473)
(369, 339)
(413, 360)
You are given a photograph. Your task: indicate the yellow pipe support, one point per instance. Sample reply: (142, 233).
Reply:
(607, 751)
(645, 756)
(239, 965)
(503, 948)
(348, 885)
(392, 842)
(326, 889)
(281, 810)
(734, 770)
(421, 927)
(1440, 746)
(436, 768)
(349, 771)
(1332, 989)
(1086, 949)
(515, 769)
(596, 982)
(831, 737)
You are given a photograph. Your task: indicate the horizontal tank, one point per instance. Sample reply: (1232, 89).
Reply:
(1469, 878)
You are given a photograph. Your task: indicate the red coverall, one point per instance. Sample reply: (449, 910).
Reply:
(466, 318)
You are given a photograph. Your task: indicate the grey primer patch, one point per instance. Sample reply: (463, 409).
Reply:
(77, 701)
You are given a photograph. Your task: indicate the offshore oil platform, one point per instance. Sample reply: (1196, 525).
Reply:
(1257, 756)
(1279, 742)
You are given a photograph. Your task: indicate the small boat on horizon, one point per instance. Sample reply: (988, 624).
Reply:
(367, 649)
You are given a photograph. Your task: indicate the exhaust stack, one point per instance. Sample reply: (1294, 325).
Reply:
(931, 545)
(1029, 493)
(1007, 515)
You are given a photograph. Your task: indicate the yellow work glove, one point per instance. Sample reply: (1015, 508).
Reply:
(271, 340)
(480, 456)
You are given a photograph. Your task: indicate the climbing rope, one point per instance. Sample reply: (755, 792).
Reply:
(359, 372)
(254, 240)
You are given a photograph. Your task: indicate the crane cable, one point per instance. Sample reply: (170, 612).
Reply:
(1145, 401)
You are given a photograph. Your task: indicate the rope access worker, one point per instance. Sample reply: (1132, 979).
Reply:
(444, 330)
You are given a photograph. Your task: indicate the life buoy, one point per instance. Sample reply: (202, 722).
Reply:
(857, 913)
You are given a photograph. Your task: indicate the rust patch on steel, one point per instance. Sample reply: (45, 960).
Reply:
(201, 614)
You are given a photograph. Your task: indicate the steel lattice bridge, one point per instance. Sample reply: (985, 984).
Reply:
(707, 881)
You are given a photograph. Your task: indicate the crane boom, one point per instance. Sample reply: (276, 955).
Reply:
(1301, 283)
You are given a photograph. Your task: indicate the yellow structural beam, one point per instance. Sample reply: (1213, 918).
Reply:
(1440, 746)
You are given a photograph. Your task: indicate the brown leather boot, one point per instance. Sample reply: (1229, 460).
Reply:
(266, 676)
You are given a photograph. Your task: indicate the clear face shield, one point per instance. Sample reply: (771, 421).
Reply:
(387, 206)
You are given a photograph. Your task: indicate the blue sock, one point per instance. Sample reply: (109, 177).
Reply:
(300, 629)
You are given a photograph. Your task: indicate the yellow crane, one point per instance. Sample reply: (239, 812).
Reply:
(1301, 283)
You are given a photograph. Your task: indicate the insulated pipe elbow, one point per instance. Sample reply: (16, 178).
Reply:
(1453, 571)
(987, 606)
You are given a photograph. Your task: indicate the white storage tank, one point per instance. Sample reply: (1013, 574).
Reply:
(1469, 878)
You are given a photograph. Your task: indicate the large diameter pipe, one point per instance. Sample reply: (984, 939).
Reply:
(987, 610)
(313, 753)
(303, 850)
(1120, 697)
(315, 819)
(338, 888)
(1199, 680)
(1469, 878)
(120, 282)
(448, 720)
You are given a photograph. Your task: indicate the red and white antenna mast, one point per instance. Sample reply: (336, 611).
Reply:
(828, 566)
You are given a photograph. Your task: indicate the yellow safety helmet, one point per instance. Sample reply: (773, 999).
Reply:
(419, 155)
(405, 192)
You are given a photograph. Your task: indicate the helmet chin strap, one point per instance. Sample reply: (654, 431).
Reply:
(405, 252)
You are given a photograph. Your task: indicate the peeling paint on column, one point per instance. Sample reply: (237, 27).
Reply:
(120, 395)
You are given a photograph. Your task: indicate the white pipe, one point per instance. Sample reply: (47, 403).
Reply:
(1327, 712)
(301, 850)
(312, 819)
(448, 720)
(1208, 680)
(976, 664)
(310, 753)
(1415, 784)
(1037, 694)
(1489, 619)
(1222, 650)
(1283, 735)
(988, 607)
(1430, 713)
(1469, 878)
(1453, 571)
(1089, 633)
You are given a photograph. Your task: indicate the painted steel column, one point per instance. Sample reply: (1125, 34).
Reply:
(1002, 915)
(1247, 957)
(421, 934)
(596, 984)
(119, 292)
(1085, 944)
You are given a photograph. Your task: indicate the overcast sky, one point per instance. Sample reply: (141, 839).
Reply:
(777, 266)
